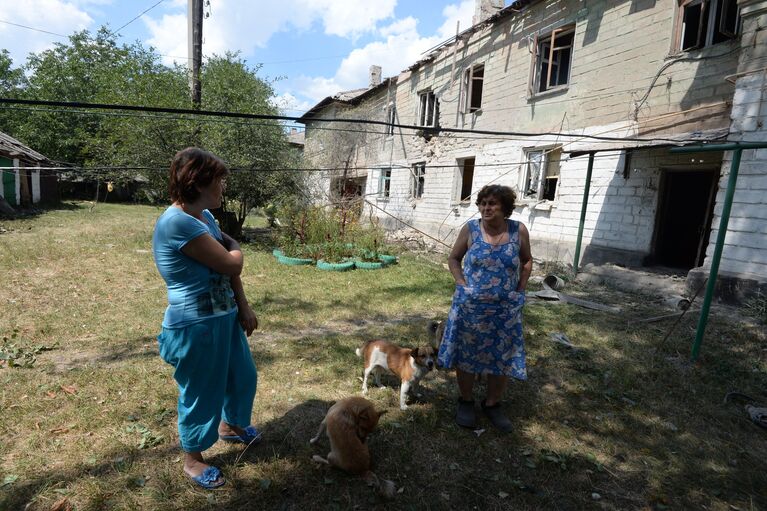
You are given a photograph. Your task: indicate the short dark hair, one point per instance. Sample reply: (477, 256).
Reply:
(191, 169)
(504, 194)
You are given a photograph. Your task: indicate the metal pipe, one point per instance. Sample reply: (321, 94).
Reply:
(711, 285)
(584, 206)
(730, 146)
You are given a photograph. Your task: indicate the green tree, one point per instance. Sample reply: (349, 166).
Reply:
(257, 150)
(96, 69)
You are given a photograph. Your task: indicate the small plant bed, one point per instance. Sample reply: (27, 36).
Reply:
(333, 237)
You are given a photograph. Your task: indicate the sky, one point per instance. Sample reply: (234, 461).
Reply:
(312, 48)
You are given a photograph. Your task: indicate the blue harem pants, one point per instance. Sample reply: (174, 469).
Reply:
(216, 378)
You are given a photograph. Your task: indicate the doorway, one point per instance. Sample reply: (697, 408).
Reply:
(683, 224)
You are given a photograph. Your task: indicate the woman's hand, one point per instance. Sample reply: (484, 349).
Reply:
(248, 319)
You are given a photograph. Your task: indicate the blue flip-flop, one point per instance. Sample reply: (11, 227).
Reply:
(209, 478)
(250, 436)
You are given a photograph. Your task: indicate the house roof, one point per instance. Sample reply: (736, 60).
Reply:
(356, 95)
(347, 98)
(296, 138)
(15, 149)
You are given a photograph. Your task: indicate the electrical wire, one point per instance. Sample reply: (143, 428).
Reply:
(242, 115)
(114, 32)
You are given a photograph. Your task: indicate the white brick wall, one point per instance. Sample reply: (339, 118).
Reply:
(613, 65)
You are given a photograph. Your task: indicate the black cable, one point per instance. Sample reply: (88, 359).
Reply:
(114, 32)
(241, 115)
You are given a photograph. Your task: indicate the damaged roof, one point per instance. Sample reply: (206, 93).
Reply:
(11, 147)
(514, 8)
(351, 97)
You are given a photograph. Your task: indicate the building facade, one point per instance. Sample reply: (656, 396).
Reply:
(522, 97)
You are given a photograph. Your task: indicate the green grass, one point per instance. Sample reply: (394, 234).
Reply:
(624, 416)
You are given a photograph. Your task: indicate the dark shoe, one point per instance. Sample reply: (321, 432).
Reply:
(496, 416)
(464, 415)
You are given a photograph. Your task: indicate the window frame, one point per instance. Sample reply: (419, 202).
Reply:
(460, 180)
(708, 30)
(417, 180)
(428, 107)
(471, 82)
(536, 69)
(391, 119)
(543, 173)
(384, 182)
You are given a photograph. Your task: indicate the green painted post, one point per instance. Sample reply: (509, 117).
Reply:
(584, 206)
(711, 285)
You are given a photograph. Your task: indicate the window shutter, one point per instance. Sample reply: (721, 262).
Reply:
(533, 66)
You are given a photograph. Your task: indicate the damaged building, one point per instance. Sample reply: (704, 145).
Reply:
(556, 98)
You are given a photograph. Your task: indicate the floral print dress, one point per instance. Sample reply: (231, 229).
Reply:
(483, 333)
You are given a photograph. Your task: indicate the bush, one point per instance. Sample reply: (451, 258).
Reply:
(331, 234)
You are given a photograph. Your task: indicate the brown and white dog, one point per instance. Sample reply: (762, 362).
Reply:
(348, 424)
(409, 365)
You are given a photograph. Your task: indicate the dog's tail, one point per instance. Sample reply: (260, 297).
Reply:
(361, 349)
(384, 487)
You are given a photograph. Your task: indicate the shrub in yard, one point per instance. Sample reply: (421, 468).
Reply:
(328, 233)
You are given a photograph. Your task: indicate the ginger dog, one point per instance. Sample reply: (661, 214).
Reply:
(348, 424)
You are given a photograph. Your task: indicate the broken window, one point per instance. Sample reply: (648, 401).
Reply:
(391, 116)
(418, 178)
(384, 182)
(552, 59)
(541, 175)
(702, 23)
(428, 109)
(473, 78)
(465, 178)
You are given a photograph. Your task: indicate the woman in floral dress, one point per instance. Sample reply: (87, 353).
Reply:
(483, 334)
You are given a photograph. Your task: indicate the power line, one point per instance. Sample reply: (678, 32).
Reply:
(33, 28)
(242, 115)
(114, 32)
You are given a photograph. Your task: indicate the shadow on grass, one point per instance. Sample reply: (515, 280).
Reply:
(616, 424)
(31, 213)
(114, 353)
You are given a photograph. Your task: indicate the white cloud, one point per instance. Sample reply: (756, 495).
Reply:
(165, 37)
(351, 18)
(57, 16)
(401, 46)
(291, 105)
(463, 12)
(234, 25)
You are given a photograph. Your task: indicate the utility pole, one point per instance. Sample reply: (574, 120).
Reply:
(194, 36)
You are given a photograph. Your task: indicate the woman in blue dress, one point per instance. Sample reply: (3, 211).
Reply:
(208, 316)
(483, 333)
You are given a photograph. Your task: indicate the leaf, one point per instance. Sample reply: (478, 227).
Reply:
(9, 480)
(503, 494)
(69, 389)
(62, 504)
(265, 483)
